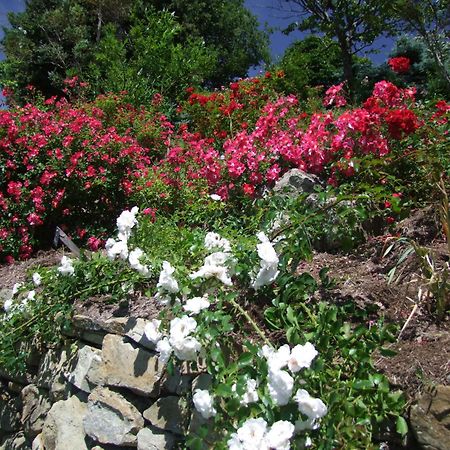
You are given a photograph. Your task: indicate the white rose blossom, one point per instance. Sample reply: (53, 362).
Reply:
(116, 248)
(302, 357)
(312, 407)
(204, 403)
(215, 197)
(251, 393)
(214, 240)
(37, 279)
(280, 385)
(7, 305)
(214, 266)
(66, 267)
(166, 280)
(125, 222)
(152, 332)
(194, 305)
(16, 288)
(280, 434)
(165, 350)
(252, 434)
(186, 349)
(268, 271)
(134, 260)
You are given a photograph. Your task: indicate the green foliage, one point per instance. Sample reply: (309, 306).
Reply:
(313, 61)
(128, 46)
(354, 24)
(149, 60)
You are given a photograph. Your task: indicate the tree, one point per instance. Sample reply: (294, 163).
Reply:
(354, 24)
(313, 61)
(429, 19)
(53, 38)
(149, 60)
(226, 26)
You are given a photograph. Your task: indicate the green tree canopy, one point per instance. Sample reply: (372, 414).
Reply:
(54, 38)
(313, 61)
(354, 24)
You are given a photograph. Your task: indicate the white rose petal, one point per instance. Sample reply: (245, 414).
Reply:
(252, 434)
(280, 385)
(37, 279)
(203, 403)
(152, 332)
(302, 357)
(194, 305)
(165, 350)
(251, 394)
(280, 434)
(66, 267)
(312, 407)
(166, 281)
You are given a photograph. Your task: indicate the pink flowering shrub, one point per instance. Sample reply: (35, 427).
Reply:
(76, 164)
(71, 165)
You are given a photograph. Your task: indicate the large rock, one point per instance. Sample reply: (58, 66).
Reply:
(111, 419)
(169, 414)
(296, 182)
(9, 413)
(35, 408)
(430, 419)
(15, 442)
(123, 365)
(148, 439)
(81, 365)
(50, 375)
(63, 427)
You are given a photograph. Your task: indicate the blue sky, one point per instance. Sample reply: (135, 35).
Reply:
(267, 11)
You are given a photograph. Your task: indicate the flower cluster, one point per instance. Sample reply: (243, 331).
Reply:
(400, 64)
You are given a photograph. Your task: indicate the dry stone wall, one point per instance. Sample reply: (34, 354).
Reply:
(104, 389)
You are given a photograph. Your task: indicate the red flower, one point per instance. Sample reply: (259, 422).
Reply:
(401, 122)
(248, 189)
(401, 64)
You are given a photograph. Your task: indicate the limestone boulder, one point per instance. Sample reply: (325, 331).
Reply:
(430, 419)
(35, 408)
(168, 414)
(111, 419)
(148, 439)
(63, 427)
(125, 366)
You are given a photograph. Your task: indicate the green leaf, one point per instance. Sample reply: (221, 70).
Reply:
(401, 426)
(245, 359)
(362, 384)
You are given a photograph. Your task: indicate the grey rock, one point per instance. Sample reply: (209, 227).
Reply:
(295, 182)
(150, 440)
(430, 419)
(81, 365)
(111, 419)
(168, 414)
(35, 408)
(123, 365)
(15, 442)
(203, 382)
(52, 366)
(63, 427)
(9, 413)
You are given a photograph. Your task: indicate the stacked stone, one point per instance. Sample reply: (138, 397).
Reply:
(106, 389)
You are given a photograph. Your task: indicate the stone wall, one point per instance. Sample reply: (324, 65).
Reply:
(103, 390)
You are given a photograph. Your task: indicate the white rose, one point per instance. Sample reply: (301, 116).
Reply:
(280, 385)
(312, 407)
(203, 403)
(302, 357)
(152, 332)
(280, 434)
(196, 304)
(37, 279)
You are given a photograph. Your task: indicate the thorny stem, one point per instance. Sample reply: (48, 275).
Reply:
(250, 321)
